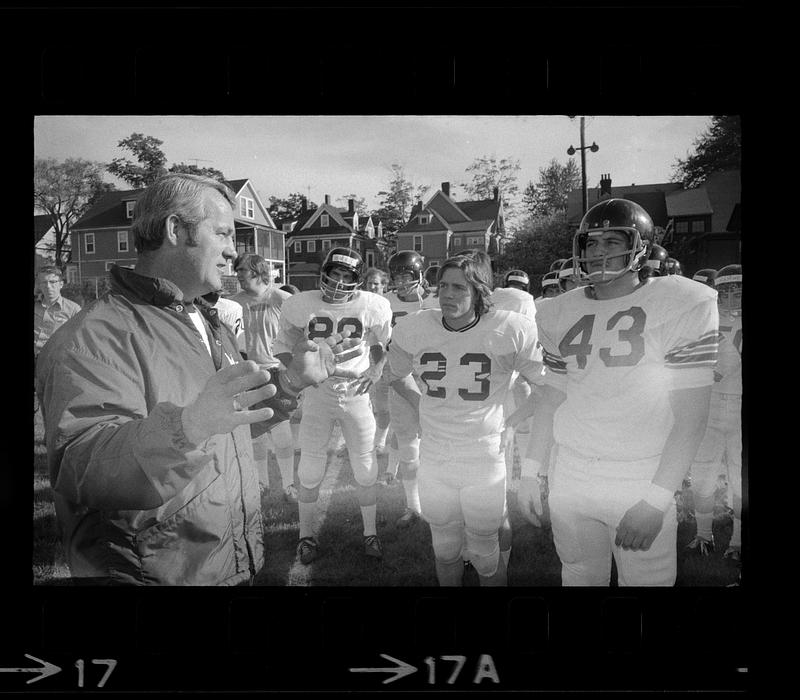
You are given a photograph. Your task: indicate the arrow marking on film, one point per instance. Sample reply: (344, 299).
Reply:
(47, 669)
(402, 669)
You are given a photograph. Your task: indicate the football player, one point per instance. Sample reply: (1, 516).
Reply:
(550, 286)
(567, 279)
(706, 276)
(625, 396)
(721, 449)
(261, 302)
(465, 353)
(410, 294)
(338, 307)
(672, 267)
(654, 266)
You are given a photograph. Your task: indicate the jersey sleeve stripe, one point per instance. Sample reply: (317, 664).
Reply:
(554, 363)
(708, 358)
(709, 338)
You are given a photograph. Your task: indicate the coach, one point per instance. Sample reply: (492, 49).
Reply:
(147, 410)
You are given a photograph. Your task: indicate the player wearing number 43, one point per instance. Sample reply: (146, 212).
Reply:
(625, 395)
(338, 307)
(466, 354)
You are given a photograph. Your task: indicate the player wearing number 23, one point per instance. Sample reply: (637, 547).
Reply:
(625, 396)
(338, 307)
(465, 354)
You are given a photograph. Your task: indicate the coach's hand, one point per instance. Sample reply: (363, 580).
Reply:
(223, 403)
(639, 527)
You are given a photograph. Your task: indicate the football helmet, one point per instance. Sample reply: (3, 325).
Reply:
(517, 278)
(672, 267)
(728, 284)
(431, 275)
(567, 279)
(347, 259)
(706, 276)
(550, 286)
(620, 215)
(406, 262)
(656, 259)
(558, 265)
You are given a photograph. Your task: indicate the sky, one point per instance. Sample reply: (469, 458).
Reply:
(340, 155)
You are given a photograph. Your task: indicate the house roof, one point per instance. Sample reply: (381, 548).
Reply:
(692, 202)
(481, 209)
(480, 226)
(236, 185)
(447, 214)
(109, 211)
(41, 225)
(649, 196)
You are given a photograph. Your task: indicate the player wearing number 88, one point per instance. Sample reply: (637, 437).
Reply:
(465, 354)
(628, 374)
(338, 307)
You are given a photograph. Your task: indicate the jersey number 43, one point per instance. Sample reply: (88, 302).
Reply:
(577, 340)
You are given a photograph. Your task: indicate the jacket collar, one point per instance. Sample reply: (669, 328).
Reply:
(156, 291)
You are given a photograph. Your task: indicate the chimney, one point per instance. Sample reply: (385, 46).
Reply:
(605, 184)
(496, 192)
(351, 206)
(305, 203)
(327, 199)
(446, 188)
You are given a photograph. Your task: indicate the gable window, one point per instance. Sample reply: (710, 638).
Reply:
(298, 246)
(475, 240)
(129, 209)
(312, 246)
(122, 241)
(326, 244)
(418, 243)
(246, 207)
(88, 243)
(287, 226)
(424, 219)
(324, 220)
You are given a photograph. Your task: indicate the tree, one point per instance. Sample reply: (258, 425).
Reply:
(719, 148)
(536, 244)
(359, 203)
(549, 195)
(151, 163)
(289, 208)
(148, 153)
(397, 202)
(194, 170)
(488, 173)
(65, 191)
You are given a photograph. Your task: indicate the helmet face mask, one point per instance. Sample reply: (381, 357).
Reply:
(334, 289)
(550, 285)
(612, 215)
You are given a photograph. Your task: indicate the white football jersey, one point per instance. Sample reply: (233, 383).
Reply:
(230, 313)
(729, 362)
(512, 299)
(466, 374)
(402, 308)
(306, 315)
(618, 359)
(261, 314)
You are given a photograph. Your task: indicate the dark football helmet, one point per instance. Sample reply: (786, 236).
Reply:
(517, 278)
(620, 215)
(706, 276)
(406, 262)
(431, 275)
(656, 259)
(342, 258)
(728, 284)
(673, 267)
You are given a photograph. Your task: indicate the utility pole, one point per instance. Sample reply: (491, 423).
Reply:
(571, 151)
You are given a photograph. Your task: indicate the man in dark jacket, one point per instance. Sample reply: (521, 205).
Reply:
(147, 407)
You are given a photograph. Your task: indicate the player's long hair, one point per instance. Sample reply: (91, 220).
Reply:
(476, 274)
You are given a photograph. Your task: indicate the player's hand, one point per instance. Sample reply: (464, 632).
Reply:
(639, 527)
(368, 378)
(531, 496)
(223, 403)
(313, 361)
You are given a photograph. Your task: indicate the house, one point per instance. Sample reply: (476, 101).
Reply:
(44, 247)
(103, 234)
(311, 235)
(444, 226)
(700, 226)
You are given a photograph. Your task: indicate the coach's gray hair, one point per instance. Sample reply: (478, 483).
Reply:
(477, 273)
(180, 194)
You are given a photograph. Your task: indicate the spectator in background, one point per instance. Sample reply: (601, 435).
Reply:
(51, 310)
(376, 280)
(261, 302)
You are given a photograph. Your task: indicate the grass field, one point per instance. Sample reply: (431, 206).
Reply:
(408, 558)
